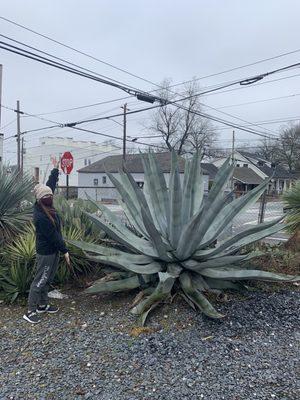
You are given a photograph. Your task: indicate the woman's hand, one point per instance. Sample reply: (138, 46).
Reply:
(67, 258)
(55, 162)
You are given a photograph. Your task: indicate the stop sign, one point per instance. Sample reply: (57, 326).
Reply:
(67, 162)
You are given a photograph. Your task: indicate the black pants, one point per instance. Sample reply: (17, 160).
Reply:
(46, 267)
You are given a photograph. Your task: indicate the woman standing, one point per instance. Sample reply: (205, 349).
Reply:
(49, 242)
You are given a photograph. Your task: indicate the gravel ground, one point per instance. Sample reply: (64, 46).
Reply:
(89, 351)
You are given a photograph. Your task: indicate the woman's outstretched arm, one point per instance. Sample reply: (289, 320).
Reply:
(53, 177)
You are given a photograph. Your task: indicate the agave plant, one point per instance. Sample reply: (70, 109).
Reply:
(292, 200)
(14, 191)
(176, 245)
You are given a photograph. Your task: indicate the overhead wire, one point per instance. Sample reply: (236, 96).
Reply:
(142, 78)
(246, 81)
(259, 101)
(255, 79)
(243, 82)
(64, 60)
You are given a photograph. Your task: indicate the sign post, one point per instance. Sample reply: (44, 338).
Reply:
(67, 163)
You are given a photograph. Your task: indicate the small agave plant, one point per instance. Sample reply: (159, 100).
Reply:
(174, 241)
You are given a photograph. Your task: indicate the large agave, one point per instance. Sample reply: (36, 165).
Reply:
(174, 241)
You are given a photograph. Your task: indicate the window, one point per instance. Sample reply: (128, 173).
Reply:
(140, 184)
(95, 182)
(237, 165)
(41, 158)
(90, 162)
(85, 161)
(104, 180)
(245, 165)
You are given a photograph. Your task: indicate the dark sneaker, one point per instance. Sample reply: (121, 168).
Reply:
(47, 309)
(32, 317)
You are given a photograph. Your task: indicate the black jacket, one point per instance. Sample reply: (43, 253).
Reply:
(49, 239)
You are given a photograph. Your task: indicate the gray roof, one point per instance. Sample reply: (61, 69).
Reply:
(134, 164)
(211, 169)
(278, 171)
(247, 175)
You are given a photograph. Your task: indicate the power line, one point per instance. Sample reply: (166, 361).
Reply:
(85, 106)
(8, 124)
(65, 61)
(233, 116)
(216, 119)
(76, 50)
(258, 84)
(259, 101)
(127, 72)
(244, 82)
(138, 94)
(44, 60)
(141, 78)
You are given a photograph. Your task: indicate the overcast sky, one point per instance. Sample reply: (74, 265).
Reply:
(154, 40)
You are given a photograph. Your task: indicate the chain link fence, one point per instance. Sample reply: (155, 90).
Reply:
(266, 209)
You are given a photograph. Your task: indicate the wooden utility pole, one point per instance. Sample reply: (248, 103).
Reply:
(22, 157)
(1, 68)
(232, 157)
(1, 134)
(124, 131)
(18, 137)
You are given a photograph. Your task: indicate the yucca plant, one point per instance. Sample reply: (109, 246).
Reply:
(17, 265)
(14, 213)
(22, 247)
(15, 279)
(176, 245)
(72, 215)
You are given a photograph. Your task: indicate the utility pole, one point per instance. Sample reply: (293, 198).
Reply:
(1, 134)
(22, 157)
(18, 137)
(1, 68)
(124, 131)
(232, 157)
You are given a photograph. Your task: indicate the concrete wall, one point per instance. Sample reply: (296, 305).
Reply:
(105, 190)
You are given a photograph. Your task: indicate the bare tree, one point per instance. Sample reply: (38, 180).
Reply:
(182, 129)
(284, 151)
(289, 149)
(268, 150)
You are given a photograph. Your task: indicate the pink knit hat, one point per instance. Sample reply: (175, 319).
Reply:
(41, 190)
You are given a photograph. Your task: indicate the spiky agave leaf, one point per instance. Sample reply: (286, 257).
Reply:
(292, 201)
(176, 228)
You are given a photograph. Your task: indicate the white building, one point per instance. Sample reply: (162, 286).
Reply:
(94, 180)
(38, 160)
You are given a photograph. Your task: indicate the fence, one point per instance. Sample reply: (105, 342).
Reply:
(265, 209)
(106, 194)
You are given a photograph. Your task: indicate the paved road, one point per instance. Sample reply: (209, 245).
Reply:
(250, 218)
(243, 221)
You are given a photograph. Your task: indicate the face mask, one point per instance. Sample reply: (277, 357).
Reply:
(47, 201)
